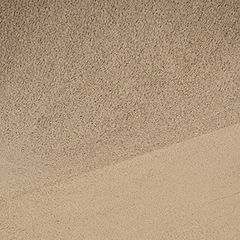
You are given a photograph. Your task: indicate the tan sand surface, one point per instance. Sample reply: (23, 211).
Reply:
(94, 95)
(85, 84)
(188, 191)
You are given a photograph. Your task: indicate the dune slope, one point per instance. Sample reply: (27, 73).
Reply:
(85, 84)
(190, 190)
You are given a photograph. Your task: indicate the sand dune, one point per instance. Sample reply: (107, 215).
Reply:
(88, 84)
(85, 84)
(190, 190)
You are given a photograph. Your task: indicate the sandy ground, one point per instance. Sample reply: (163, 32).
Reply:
(89, 84)
(85, 84)
(188, 191)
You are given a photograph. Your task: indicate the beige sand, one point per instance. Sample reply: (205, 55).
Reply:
(87, 84)
(188, 191)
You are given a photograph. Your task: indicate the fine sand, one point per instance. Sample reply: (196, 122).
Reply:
(90, 88)
(189, 191)
(85, 84)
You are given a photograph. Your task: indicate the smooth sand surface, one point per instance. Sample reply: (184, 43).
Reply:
(85, 84)
(188, 191)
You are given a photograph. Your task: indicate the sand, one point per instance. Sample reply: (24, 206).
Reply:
(189, 190)
(88, 84)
